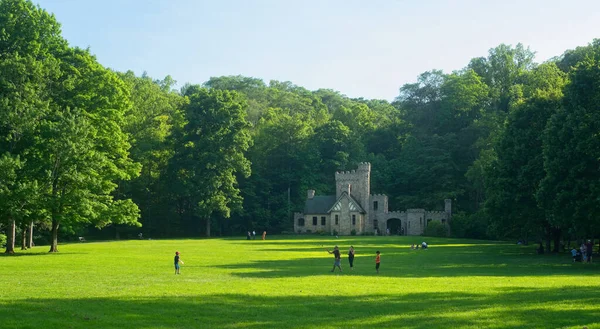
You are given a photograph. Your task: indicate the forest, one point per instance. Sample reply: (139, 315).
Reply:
(88, 151)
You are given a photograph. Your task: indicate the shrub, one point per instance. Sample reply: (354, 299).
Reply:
(353, 232)
(335, 232)
(435, 228)
(2, 240)
(368, 233)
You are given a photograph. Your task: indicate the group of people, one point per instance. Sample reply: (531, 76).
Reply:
(584, 254)
(252, 235)
(338, 259)
(416, 246)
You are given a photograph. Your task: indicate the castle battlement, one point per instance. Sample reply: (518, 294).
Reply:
(436, 212)
(415, 210)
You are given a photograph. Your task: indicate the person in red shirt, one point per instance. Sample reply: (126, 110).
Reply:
(377, 261)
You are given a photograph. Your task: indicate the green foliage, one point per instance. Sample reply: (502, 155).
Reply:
(466, 225)
(353, 232)
(2, 240)
(436, 229)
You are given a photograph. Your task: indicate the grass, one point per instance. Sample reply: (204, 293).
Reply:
(284, 282)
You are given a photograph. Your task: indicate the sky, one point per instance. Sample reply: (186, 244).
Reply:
(361, 48)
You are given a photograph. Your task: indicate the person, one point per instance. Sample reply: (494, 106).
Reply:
(583, 250)
(248, 235)
(351, 257)
(177, 261)
(264, 236)
(377, 261)
(412, 246)
(424, 245)
(417, 247)
(140, 236)
(589, 248)
(574, 254)
(540, 249)
(253, 235)
(387, 231)
(337, 257)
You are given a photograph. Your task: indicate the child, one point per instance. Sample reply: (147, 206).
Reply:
(574, 253)
(377, 261)
(177, 261)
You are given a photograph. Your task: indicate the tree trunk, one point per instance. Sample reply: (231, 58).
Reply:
(10, 238)
(208, 227)
(30, 241)
(23, 238)
(548, 243)
(556, 235)
(54, 245)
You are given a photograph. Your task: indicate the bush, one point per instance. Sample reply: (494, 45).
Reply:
(368, 233)
(435, 228)
(353, 232)
(2, 240)
(335, 232)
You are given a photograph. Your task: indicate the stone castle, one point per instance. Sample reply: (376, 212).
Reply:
(353, 207)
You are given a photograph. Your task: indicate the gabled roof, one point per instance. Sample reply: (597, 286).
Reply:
(354, 206)
(319, 204)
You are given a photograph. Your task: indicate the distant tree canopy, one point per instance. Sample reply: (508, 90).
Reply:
(513, 143)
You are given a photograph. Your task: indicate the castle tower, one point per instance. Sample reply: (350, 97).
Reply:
(356, 182)
(448, 207)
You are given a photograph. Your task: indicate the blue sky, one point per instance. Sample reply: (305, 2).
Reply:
(361, 48)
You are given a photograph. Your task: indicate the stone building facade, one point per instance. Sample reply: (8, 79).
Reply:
(353, 207)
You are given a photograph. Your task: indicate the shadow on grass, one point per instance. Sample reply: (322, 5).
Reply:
(504, 308)
(442, 261)
(24, 253)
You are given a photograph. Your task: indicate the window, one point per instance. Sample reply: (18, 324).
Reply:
(300, 221)
(337, 220)
(375, 224)
(315, 220)
(323, 220)
(375, 205)
(353, 219)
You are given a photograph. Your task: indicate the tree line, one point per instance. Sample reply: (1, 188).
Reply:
(512, 142)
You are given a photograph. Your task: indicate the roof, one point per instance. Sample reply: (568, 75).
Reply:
(319, 204)
(357, 206)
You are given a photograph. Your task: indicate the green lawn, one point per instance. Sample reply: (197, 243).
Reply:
(285, 282)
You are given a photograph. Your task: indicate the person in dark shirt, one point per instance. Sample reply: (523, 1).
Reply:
(338, 258)
(589, 250)
(351, 257)
(177, 260)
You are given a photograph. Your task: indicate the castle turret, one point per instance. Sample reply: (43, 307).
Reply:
(448, 207)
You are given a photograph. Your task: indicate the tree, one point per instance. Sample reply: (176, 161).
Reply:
(571, 151)
(84, 152)
(30, 40)
(513, 179)
(215, 138)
